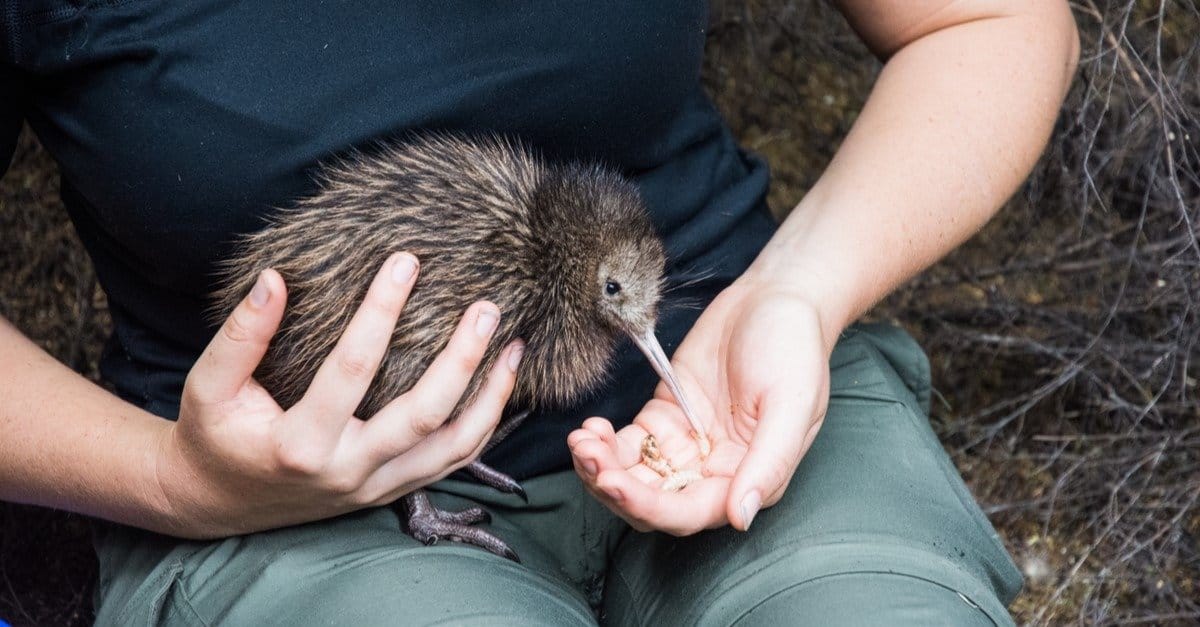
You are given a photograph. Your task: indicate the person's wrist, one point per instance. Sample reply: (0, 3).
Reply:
(812, 287)
(169, 486)
(154, 488)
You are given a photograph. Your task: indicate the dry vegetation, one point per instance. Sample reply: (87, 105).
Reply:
(1064, 338)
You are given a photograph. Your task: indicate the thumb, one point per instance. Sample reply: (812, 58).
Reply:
(235, 351)
(788, 422)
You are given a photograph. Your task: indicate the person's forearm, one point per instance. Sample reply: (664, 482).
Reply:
(67, 443)
(954, 124)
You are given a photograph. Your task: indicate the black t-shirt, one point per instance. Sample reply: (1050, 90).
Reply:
(177, 125)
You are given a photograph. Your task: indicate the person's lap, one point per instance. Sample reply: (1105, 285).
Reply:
(875, 527)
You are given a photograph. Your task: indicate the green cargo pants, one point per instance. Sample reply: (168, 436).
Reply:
(876, 528)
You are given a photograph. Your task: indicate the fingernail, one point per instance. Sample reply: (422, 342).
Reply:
(614, 494)
(261, 293)
(514, 356)
(403, 269)
(486, 322)
(750, 505)
(589, 466)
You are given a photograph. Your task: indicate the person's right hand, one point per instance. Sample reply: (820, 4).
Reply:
(235, 462)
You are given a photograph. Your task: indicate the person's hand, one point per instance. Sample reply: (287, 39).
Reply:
(236, 462)
(756, 369)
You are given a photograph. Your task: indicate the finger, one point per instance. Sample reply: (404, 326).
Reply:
(454, 446)
(615, 507)
(627, 446)
(726, 457)
(601, 427)
(347, 371)
(587, 472)
(699, 506)
(788, 423)
(389, 433)
(230, 358)
(442, 385)
(579, 457)
(586, 469)
(595, 456)
(676, 442)
(671, 429)
(580, 435)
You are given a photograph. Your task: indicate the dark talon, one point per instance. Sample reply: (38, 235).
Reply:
(494, 478)
(428, 524)
(505, 429)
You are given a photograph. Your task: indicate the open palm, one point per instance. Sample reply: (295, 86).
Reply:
(755, 368)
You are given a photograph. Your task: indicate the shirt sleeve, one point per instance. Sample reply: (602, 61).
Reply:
(11, 97)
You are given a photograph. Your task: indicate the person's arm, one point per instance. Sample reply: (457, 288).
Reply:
(67, 443)
(964, 106)
(64, 441)
(961, 111)
(235, 462)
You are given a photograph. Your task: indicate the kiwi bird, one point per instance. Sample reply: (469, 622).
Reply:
(566, 251)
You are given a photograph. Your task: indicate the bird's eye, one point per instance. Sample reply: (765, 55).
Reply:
(612, 288)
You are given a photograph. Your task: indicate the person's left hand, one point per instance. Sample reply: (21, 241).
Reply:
(756, 370)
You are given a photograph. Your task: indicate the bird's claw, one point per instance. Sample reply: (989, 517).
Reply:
(429, 524)
(494, 478)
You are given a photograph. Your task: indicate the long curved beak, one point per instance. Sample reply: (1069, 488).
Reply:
(648, 343)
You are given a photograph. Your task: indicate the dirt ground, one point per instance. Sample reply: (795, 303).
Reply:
(1094, 494)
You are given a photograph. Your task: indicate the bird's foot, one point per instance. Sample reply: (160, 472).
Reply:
(506, 428)
(491, 477)
(429, 524)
